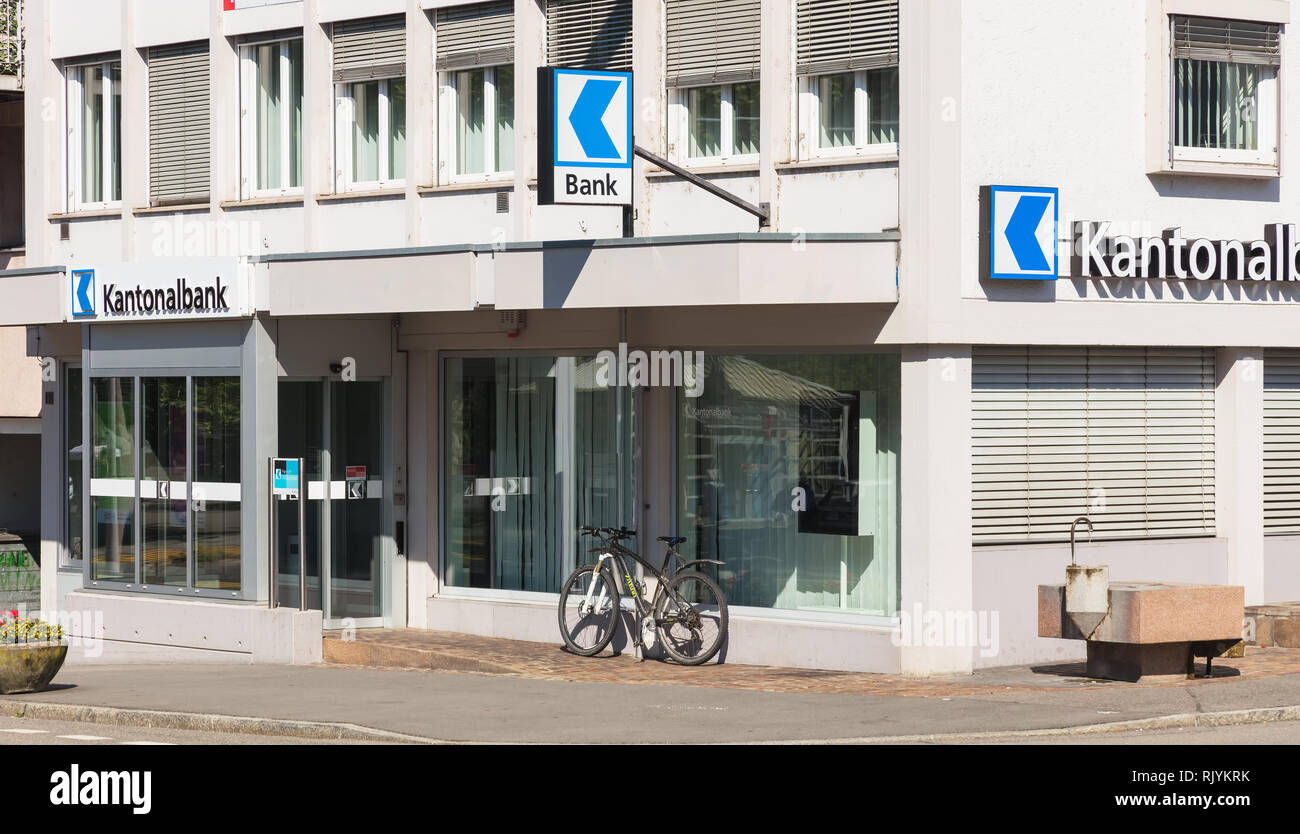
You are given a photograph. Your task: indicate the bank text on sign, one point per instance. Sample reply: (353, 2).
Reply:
(584, 144)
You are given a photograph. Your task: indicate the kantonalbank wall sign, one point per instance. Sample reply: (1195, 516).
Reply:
(178, 289)
(1019, 242)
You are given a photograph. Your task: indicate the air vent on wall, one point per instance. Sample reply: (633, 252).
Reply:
(503, 202)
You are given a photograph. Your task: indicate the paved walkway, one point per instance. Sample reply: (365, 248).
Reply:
(470, 654)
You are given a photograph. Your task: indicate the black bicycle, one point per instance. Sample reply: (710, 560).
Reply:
(688, 611)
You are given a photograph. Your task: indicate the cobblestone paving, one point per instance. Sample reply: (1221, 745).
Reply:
(471, 654)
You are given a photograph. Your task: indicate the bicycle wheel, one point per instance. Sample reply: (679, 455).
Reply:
(692, 618)
(588, 611)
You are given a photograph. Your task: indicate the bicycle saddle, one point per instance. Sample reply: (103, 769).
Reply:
(672, 541)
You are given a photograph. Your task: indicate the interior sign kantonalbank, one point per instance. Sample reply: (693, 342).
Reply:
(181, 288)
(1019, 226)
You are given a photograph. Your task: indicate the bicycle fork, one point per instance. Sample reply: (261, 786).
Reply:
(588, 607)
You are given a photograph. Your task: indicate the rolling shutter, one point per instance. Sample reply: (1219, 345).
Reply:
(179, 125)
(1232, 41)
(370, 48)
(713, 41)
(842, 35)
(1281, 441)
(476, 36)
(589, 34)
(1124, 436)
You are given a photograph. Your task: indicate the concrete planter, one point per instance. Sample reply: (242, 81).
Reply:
(29, 667)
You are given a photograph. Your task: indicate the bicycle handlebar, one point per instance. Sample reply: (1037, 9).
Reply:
(612, 532)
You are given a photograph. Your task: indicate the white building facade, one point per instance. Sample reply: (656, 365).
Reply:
(311, 229)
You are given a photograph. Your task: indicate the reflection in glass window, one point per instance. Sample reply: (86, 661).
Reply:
(788, 472)
(113, 525)
(485, 120)
(534, 446)
(216, 447)
(163, 453)
(73, 457)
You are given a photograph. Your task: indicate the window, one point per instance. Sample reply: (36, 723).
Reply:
(370, 103)
(165, 484)
(787, 471)
(94, 135)
(534, 446)
(180, 129)
(1124, 436)
(1225, 80)
(713, 67)
(1281, 442)
(272, 92)
(589, 34)
(475, 51)
(847, 59)
(719, 123)
(73, 451)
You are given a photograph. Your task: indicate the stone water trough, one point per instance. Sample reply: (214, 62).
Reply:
(1145, 628)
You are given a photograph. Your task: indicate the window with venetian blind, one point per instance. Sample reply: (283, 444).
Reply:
(1124, 436)
(589, 34)
(713, 67)
(179, 125)
(1282, 441)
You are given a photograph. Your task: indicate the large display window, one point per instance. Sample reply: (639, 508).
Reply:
(533, 446)
(165, 493)
(787, 471)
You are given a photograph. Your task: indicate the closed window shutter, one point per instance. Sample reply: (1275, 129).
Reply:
(1124, 436)
(1282, 441)
(1232, 41)
(713, 41)
(476, 36)
(370, 48)
(589, 34)
(842, 35)
(179, 125)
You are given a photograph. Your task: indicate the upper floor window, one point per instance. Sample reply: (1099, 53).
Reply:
(1225, 80)
(713, 70)
(94, 135)
(271, 117)
(370, 102)
(589, 34)
(847, 60)
(475, 54)
(180, 127)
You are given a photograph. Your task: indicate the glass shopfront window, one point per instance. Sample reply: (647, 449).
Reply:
(112, 484)
(533, 446)
(174, 464)
(788, 472)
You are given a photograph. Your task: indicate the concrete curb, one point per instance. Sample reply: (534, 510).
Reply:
(292, 728)
(1231, 718)
(207, 722)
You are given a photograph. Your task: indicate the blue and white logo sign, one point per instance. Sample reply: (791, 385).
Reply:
(585, 152)
(1022, 233)
(285, 476)
(83, 293)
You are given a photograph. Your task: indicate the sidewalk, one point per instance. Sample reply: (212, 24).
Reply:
(622, 700)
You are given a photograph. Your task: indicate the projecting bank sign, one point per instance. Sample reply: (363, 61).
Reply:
(1020, 241)
(584, 137)
(167, 290)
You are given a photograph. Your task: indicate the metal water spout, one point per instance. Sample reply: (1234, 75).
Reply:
(1087, 589)
(1074, 525)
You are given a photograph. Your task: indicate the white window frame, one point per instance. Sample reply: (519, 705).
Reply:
(1266, 128)
(679, 129)
(248, 189)
(810, 122)
(74, 115)
(448, 126)
(344, 122)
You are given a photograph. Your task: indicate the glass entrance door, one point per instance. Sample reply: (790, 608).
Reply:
(338, 428)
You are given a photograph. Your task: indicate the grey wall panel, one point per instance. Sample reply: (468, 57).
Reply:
(178, 345)
(308, 346)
